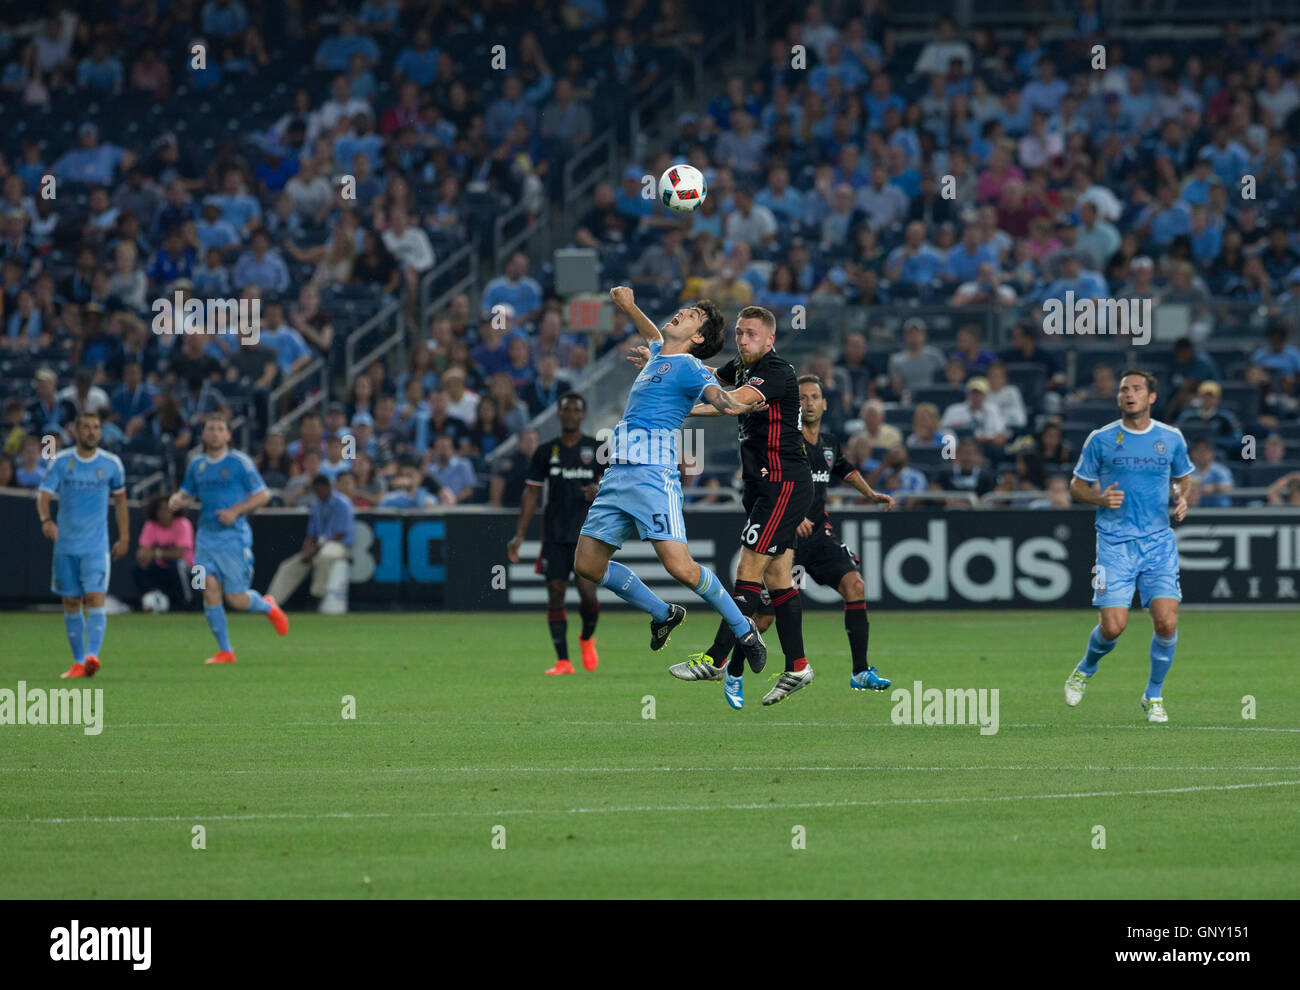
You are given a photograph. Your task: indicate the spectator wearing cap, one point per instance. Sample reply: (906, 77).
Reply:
(331, 527)
(917, 364)
(977, 414)
(1208, 410)
(90, 163)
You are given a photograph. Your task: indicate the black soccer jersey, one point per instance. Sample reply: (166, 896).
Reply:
(826, 460)
(771, 445)
(564, 471)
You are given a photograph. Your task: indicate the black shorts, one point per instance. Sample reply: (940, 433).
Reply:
(824, 559)
(556, 561)
(774, 511)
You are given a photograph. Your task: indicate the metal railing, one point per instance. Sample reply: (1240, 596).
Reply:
(354, 365)
(466, 255)
(531, 238)
(317, 369)
(149, 483)
(593, 169)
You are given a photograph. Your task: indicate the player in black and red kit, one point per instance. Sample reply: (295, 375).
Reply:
(778, 493)
(820, 553)
(569, 468)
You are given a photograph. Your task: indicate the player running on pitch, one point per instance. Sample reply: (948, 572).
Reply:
(778, 495)
(228, 487)
(83, 478)
(820, 552)
(570, 471)
(1132, 463)
(641, 490)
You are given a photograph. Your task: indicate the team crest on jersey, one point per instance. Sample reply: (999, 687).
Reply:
(1160, 447)
(587, 454)
(225, 473)
(99, 472)
(664, 368)
(753, 381)
(830, 457)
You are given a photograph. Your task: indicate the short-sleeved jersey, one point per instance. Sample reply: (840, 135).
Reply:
(1142, 464)
(83, 488)
(826, 460)
(660, 400)
(219, 484)
(771, 443)
(564, 471)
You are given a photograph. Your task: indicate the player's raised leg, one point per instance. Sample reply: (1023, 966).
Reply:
(678, 562)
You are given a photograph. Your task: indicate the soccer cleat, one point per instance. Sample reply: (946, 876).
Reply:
(1075, 685)
(754, 649)
(277, 616)
(92, 664)
(562, 667)
(76, 670)
(659, 630)
(1155, 709)
(696, 667)
(589, 655)
(869, 680)
(221, 656)
(787, 684)
(733, 689)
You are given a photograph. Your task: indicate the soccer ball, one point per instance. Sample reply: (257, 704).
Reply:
(682, 188)
(155, 601)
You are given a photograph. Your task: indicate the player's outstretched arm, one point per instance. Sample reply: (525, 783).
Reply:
(737, 402)
(527, 506)
(625, 300)
(860, 483)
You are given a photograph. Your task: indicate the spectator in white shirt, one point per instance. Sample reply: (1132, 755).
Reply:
(1006, 397)
(936, 54)
(977, 414)
(411, 248)
(749, 222)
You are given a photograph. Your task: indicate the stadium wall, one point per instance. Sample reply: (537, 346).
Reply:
(910, 559)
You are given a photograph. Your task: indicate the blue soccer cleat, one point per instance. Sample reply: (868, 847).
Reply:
(733, 688)
(869, 680)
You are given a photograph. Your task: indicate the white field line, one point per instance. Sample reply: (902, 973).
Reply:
(717, 769)
(636, 809)
(731, 723)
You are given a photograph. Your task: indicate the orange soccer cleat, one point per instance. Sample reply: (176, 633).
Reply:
(76, 670)
(277, 617)
(589, 655)
(92, 664)
(221, 656)
(562, 667)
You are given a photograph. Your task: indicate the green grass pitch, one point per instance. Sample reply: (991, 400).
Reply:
(457, 732)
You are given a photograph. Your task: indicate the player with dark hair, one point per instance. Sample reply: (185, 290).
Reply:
(228, 487)
(1127, 469)
(569, 471)
(820, 552)
(641, 490)
(778, 496)
(84, 479)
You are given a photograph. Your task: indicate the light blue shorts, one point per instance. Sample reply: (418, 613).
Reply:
(1148, 565)
(77, 574)
(637, 498)
(231, 565)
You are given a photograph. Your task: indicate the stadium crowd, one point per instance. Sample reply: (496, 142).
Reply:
(968, 171)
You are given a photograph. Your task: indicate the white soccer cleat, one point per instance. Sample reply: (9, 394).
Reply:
(1155, 709)
(1075, 686)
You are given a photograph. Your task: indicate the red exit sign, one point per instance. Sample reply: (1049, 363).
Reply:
(586, 314)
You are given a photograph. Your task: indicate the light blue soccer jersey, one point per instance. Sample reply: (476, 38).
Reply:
(83, 488)
(1142, 464)
(659, 401)
(219, 485)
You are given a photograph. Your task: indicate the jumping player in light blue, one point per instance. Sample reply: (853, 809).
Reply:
(228, 487)
(83, 478)
(641, 490)
(1127, 469)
